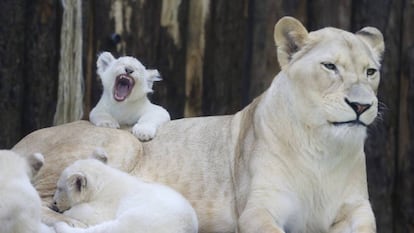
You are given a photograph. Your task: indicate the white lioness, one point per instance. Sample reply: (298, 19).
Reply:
(291, 161)
(126, 84)
(109, 200)
(20, 205)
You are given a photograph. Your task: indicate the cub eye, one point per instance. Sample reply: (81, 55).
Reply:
(329, 66)
(371, 71)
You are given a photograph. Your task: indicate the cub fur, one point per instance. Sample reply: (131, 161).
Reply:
(109, 200)
(126, 84)
(20, 204)
(292, 161)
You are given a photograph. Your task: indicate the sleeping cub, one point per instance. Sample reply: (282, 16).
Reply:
(124, 100)
(20, 205)
(109, 200)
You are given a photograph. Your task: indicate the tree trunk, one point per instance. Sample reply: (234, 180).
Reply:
(404, 192)
(40, 64)
(12, 70)
(224, 65)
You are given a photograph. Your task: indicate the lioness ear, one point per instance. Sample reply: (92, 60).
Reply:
(289, 37)
(104, 59)
(100, 154)
(153, 76)
(373, 37)
(36, 162)
(77, 181)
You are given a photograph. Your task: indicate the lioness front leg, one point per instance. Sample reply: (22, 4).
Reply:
(258, 220)
(357, 218)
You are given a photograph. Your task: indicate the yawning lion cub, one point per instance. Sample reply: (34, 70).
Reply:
(292, 161)
(126, 84)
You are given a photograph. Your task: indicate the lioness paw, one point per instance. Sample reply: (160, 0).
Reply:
(144, 132)
(108, 124)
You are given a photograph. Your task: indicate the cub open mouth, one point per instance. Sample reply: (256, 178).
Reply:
(123, 87)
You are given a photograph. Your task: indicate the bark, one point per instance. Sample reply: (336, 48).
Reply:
(404, 205)
(198, 13)
(171, 58)
(224, 57)
(41, 62)
(12, 69)
(325, 13)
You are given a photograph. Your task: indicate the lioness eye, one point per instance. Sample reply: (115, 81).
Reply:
(371, 71)
(329, 66)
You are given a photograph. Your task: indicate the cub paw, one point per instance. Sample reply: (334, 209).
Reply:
(62, 227)
(144, 132)
(108, 124)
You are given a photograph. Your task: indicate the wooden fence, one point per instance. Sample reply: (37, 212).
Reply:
(215, 56)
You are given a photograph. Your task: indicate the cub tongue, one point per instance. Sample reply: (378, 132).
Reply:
(121, 91)
(123, 87)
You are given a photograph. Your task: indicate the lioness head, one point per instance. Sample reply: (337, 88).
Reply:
(125, 78)
(333, 75)
(75, 185)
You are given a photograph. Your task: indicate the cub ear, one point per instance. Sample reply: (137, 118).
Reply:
(289, 36)
(36, 162)
(153, 76)
(77, 181)
(100, 154)
(104, 59)
(374, 38)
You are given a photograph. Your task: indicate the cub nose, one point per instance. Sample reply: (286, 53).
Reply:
(54, 207)
(129, 70)
(358, 107)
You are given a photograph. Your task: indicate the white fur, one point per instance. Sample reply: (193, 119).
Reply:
(136, 109)
(313, 179)
(20, 205)
(112, 201)
(292, 161)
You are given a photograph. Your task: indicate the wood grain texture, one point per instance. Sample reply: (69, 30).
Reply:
(12, 35)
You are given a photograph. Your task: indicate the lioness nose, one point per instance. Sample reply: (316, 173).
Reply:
(128, 70)
(358, 107)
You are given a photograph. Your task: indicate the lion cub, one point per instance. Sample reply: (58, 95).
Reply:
(126, 83)
(113, 201)
(20, 205)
